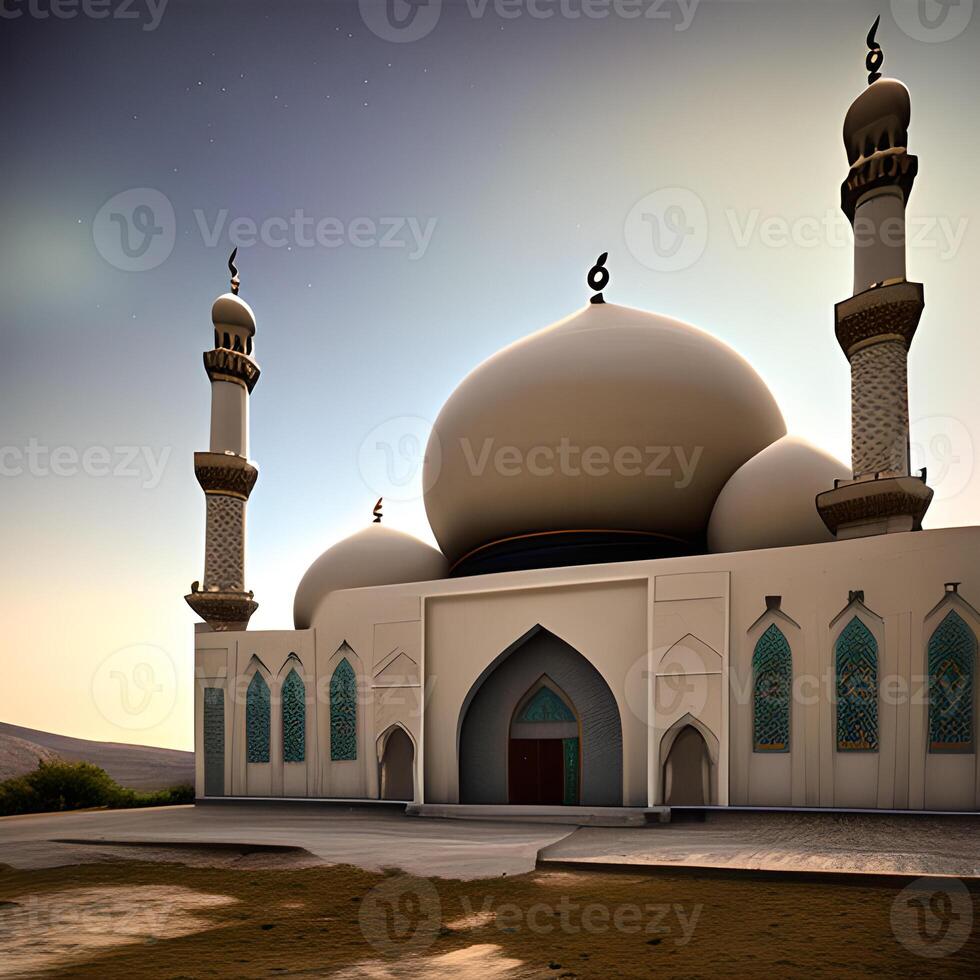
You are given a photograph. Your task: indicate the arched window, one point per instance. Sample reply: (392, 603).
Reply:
(772, 682)
(952, 655)
(856, 665)
(293, 718)
(257, 719)
(545, 705)
(343, 713)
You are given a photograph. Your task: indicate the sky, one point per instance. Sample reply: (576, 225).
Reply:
(407, 200)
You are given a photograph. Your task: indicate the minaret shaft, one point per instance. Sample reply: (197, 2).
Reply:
(880, 410)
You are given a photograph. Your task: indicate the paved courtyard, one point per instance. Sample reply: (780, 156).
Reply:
(373, 838)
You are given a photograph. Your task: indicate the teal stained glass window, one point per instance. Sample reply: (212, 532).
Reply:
(293, 718)
(570, 754)
(343, 712)
(772, 681)
(856, 666)
(257, 713)
(545, 705)
(952, 656)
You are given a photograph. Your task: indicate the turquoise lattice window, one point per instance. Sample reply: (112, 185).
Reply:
(293, 718)
(856, 666)
(772, 679)
(545, 705)
(952, 655)
(257, 715)
(343, 713)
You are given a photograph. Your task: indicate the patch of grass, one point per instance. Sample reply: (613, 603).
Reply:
(59, 785)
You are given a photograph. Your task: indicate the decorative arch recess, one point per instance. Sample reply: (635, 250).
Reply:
(257, 719)
(952, 655)
(856, 670)
(343, 713)
(772, 686)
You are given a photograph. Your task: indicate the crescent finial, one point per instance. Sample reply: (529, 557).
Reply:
(876, 57)
(598, 278)
(233, 269)
(377, 511)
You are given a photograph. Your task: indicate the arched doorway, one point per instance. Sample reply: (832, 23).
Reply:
(587, 770)
(398, 766)
(687, 770)
(543, 752)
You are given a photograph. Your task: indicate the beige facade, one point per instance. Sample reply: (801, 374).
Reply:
(673, 641)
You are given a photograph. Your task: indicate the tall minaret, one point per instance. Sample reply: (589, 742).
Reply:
(876, 325)
(224, 472)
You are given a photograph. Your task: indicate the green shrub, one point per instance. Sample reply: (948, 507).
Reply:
(59, 785)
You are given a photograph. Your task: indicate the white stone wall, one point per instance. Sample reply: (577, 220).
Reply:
(673, 640)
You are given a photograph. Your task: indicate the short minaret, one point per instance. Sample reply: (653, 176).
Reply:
(224, 472)
(876, 325)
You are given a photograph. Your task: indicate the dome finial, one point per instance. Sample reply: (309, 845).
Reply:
(598, 278)
(876, 57)
(377, 511)
(233, 269)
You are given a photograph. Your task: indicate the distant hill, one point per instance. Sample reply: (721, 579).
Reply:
(135, 766)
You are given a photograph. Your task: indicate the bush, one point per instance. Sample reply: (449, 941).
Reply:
(59, 785)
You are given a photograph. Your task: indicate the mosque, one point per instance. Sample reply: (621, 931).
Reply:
(651, 596)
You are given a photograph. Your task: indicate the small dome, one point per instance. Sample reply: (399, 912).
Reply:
(613, 420)
(378, 555)
(231, 311)
(770, 502)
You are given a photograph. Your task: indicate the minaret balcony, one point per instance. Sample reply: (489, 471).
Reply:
(223, 364)
(226, 474)
(887, 312)
(223, 611)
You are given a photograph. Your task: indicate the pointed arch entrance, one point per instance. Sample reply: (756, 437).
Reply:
(540, 726)
(396, 752)
(688, 765)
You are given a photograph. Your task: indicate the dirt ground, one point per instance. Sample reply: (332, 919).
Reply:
(150, 920)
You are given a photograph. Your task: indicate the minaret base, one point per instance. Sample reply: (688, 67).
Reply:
(223, 611)
(862, 508)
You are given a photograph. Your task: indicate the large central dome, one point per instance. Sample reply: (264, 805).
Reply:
(611, 425)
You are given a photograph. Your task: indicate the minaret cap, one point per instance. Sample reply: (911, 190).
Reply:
(878, 120)
(229, 309)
